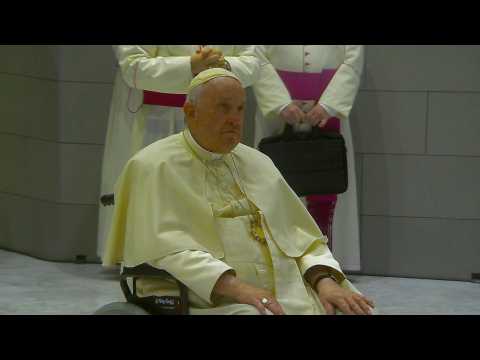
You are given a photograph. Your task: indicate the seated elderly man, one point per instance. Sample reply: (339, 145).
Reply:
(219, 217)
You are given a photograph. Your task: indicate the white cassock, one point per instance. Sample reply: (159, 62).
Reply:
(188, 211)
(133, 125)
(337, 99)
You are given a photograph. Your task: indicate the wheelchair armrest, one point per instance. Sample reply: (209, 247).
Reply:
(147, 271)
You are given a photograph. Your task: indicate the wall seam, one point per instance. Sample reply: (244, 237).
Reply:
(5, 133)
(56, 80)
(23, 196)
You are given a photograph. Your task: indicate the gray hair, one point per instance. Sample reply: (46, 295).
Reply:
(192, 98)
(194, 94)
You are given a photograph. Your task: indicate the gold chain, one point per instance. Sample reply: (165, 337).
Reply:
(256, 229)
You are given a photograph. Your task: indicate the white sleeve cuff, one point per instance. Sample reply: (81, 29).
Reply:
(329, 110)
(281, 108)
(198, 270)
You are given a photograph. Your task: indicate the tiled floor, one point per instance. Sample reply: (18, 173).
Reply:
(31, 286)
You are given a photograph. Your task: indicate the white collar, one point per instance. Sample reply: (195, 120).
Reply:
(199, 150)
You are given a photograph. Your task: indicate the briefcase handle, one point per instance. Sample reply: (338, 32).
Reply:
(289, 134)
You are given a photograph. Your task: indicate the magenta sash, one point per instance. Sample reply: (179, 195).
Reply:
(163, 99)
(306, 86)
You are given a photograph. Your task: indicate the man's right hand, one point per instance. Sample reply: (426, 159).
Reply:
(205, 59)
(292, 114)
(242, 293)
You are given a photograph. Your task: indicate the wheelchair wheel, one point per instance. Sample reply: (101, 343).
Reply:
(120, 308)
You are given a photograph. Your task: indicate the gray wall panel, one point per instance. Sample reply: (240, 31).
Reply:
(454, 124)
(421, 186)
(426, 248)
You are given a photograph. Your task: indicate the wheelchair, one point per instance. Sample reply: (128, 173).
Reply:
(150, 305)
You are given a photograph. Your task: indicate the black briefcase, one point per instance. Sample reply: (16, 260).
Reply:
(313, 163)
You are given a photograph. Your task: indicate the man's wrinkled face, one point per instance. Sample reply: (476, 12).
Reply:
(216, 120)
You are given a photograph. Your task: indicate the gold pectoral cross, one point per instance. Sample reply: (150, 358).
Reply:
(257, 230)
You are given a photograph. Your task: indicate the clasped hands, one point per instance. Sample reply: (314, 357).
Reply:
(206, 58)
(293, 114)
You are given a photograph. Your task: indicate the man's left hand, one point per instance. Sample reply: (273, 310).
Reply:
(317, 116)
(333, 296)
